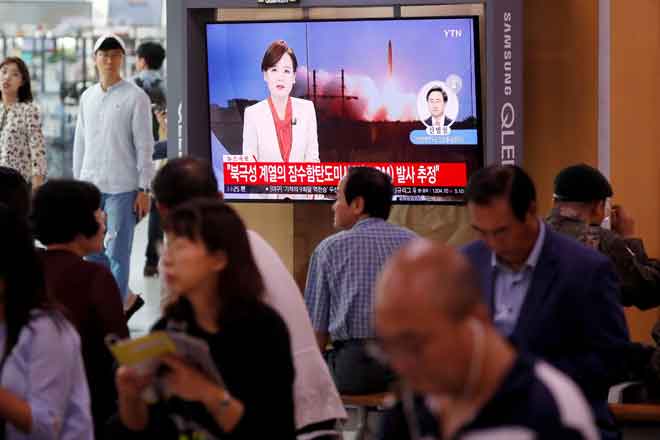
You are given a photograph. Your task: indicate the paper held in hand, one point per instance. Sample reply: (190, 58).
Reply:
(145, 352)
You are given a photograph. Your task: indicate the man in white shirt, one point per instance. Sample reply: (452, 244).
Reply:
(112, 149)
(317, 402)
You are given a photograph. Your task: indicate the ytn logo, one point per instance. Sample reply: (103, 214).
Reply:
(453, 33)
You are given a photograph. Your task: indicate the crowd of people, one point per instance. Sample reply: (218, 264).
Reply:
(519, 334)
(114, 145)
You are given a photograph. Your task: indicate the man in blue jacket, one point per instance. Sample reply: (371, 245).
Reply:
(550, 295)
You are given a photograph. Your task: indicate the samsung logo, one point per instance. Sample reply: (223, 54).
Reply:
(507, 111)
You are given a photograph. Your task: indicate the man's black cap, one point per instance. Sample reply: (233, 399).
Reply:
(581, 183)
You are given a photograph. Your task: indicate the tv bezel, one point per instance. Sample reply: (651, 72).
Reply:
(479, 104)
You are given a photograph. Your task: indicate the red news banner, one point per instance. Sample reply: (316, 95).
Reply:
(446, 175)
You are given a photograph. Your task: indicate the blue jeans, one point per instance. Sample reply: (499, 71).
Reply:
(118, 241)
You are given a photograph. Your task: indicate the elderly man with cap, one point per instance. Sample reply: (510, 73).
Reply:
(112, 149)
(581, 194)
(434, 329)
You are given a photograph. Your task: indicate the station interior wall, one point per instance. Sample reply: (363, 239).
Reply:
(561, 128)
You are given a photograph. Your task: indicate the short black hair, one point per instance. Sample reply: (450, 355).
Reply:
(581, 183)
(152, 53)
(64, 208)
(502, 181)
(110, 43)
(14, 191)
(183, 179)
(445, 98)
(374, 186)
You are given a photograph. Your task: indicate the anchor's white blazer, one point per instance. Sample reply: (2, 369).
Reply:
(260, 137)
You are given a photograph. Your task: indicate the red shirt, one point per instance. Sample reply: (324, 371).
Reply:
(283, 128)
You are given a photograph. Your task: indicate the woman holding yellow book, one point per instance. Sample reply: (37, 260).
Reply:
(208, 265)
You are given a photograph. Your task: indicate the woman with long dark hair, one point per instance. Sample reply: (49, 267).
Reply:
(209, 266)
(43, 390)
(21, 139)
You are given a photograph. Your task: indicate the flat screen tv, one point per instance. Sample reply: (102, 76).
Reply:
(294, 105)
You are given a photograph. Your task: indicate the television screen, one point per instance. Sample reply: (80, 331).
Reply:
(294, 105)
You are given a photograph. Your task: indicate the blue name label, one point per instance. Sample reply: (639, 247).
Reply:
(450, 137)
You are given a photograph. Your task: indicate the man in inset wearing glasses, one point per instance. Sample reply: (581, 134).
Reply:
(436, 99)
(434, 330)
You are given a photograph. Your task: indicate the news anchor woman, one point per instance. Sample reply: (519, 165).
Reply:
(21, 139)
(280, 128)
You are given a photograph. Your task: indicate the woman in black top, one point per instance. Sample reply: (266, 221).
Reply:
(209, 265)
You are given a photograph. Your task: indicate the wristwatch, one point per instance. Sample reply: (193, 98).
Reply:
(144, 190)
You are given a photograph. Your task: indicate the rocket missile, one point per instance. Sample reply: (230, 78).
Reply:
(389, 59)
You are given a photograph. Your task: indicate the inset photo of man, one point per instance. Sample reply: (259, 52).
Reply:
(437, 107)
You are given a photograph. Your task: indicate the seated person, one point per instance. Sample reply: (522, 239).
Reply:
(68, 220)
(539, 283)
(434, 330)
(581, 193)
(43, 390)
(208, 265)
(317, 401)
(341, 277)
(580, 196)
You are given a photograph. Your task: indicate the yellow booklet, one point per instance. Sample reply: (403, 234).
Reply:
(144, 354)
(143, 350)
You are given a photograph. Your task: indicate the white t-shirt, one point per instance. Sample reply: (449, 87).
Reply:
(315, 394)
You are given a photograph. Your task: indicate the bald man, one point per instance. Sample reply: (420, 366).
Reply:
(434, 330)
